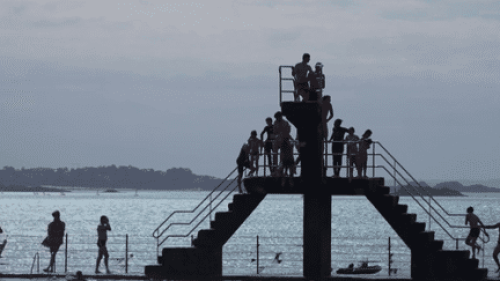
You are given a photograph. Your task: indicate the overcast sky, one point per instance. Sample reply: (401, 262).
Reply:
(161, 84)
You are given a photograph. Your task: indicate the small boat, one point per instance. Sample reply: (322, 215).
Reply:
(362, 269)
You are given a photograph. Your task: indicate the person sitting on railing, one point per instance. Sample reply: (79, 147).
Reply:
(497, 248)
(352, 151)
(268, 144)
(301, 75)
(474, 223)
(243, 162)
(364, 145)
(255, 149)
(337, 146)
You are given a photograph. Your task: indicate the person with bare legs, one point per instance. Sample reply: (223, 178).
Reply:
(364, 145)
(102, 237)
(281, 129)
(352, 151)
(497, 248)
(474, 223)
(54, 238)
(301, 78)
(243, 162)
(268, 144)
(255, 149)
(337, 146)
(287, 165)
(317, 83)
(326, 108)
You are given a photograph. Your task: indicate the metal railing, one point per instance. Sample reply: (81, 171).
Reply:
(158, 234)
(37, 259)
(284, 79)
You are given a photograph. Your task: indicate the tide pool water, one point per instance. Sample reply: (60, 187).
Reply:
(359, 232)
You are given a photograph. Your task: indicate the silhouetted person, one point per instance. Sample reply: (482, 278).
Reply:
(102, 237)
(352, 150)
(287, 165)
(268, 144)
(301, 78)
(337, 146)
(364, 145)
(75, 277)
(243, 162)
(497, 248)
(317, 81)
(474, 223)
(3, 240)
(281, 129)
(55, 236)
(326, 108)
(255, 148)
(298, 145)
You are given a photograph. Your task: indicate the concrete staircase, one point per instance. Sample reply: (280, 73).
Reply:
(205, 257)
(429, 260)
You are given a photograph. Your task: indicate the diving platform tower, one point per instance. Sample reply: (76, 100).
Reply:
(203, 261)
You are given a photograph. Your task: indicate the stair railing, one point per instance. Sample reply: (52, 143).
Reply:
(37, 259)
(157, 233)
(284, 79)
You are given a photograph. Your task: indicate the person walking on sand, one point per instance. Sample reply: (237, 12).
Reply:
(102, 237)
(497, 248)
(474, 223)
(337, 146)
(301, 78)
(268, 144)
(54, 238)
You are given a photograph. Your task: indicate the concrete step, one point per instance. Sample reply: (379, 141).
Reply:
(382, 190)
(401, 209)
(426, 236)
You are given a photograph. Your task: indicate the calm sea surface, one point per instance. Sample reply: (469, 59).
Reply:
(358, 231)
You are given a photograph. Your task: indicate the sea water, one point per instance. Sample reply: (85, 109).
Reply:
(359, 232)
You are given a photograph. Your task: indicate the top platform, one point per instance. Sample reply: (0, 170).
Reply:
(296, 185)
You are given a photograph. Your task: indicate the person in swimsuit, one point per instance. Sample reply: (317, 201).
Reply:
(497, 248)
(474, 223)
(55, 236)
(337, 146)
(255, 148)
(243, 162)
(268, 144)
(102, 237)
(364, 145)
(301, 78)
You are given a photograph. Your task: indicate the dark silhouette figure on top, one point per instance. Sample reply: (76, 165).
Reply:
(474, 223)
(281, 129)
(317, 81)
(268, 144)
(352, 151)
(301, 78)
(243, 162)
(326, 107)
(497, 248)
(255, 149)
(54, 240)
(364, 145)
(337, 147)
(102, 237)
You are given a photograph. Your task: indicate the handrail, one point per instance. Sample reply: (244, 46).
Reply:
(37, 258)
(185, 223)
(155, 232)
(281, 79)
(186, 235)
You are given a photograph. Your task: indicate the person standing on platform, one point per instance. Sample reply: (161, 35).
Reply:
(352, 151)
(287, 165)
(337, 146)
(281, 129)
(243, 162)
(364, 145)
(326, 107)
(474, 223)
(268, 144)
(255, 149)
(497, 248)
(301, 78)
(317, 81)
(54, 238)
(102, 237)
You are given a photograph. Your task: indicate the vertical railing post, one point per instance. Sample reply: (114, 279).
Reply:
(457, 244)
(373, 160)
(280, 84)
(192, 240)
(66, 255)
(389, 256)
(264, 162)
(210, 206)
(257, 254)
(37, 263)
(430, 210)
(395, 174)
(325, 144)
(126, 253)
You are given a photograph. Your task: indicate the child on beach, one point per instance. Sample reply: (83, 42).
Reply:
(255, 148)
(364, 145)
(352, 151)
